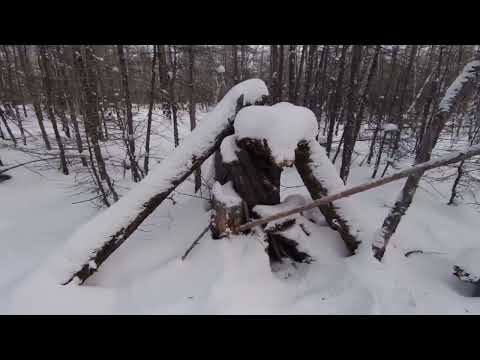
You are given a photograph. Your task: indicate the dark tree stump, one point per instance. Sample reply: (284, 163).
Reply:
(254, 175)
(228, 210)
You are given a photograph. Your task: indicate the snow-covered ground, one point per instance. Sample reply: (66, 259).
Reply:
(230, 276)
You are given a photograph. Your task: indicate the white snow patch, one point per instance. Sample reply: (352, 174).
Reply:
(226, 194)
(228, 149)
(220, 69)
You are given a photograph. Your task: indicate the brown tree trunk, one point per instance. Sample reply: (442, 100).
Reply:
(71, 103)
(48, 103)
(192, 106)
(300, 74)
(91, 119)
(350, 126)
(33, 91)
(128, 106)
(308, 76)
(336, 101)
(291, 73)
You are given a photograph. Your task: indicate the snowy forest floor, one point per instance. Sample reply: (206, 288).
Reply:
(230, 276)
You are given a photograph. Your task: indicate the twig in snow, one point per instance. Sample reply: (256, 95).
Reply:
(197, 240)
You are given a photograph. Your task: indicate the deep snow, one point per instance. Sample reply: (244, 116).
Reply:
(229, 276)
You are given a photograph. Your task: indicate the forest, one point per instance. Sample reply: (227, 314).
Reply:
(238, 179)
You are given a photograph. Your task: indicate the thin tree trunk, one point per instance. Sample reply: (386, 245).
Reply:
(192, 106)
(48, 104)
(350, 126)
(291, 73)
(33, 91)
(150, 109)
(128, 105)
(336, 101)
(300, 74)
(91, 119)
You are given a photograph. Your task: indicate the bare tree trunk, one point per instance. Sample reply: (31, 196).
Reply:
(150, 109)
(91, 120)
(12, 93)
(12, 137)
(48, 103)
(336, 101)
(400, 115)
(33, 91)
(308, 77)
(192, 105)
(280, 73)
(171, 92)
(236, 76)
(291, 73)
(69, 97)
(300, 74)
(350, 126)
(128, 105)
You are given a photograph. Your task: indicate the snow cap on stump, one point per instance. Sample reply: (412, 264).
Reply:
(282, 125)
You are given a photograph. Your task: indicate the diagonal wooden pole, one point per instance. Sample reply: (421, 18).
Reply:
(420, 168)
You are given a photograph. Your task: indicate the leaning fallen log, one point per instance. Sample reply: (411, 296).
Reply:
(321, 179)
(420, 168)
(92, 244)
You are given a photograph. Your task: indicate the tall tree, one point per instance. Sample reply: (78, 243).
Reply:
(291, 73)
(150, 110)
(192, 105)
(349, 130)
(129, 120)
(337, 99)
(47, 83)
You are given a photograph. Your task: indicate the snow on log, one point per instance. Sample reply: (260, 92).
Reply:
(469, 71)
(321, 179)
(93, 243)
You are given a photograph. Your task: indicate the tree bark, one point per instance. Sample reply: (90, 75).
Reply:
(128, 106)
(336, 101)
(350, 126)
(48, 103)
(291, 73)
(150, 110)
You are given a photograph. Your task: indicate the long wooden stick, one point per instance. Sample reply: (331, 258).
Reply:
(420, 168)
(199, 237)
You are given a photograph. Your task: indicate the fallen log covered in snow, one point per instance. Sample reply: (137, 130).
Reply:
(93, 243)
(321, 179)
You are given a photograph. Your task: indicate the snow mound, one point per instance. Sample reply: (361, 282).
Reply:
(283, 125)
(228, 149)
(226, 194)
